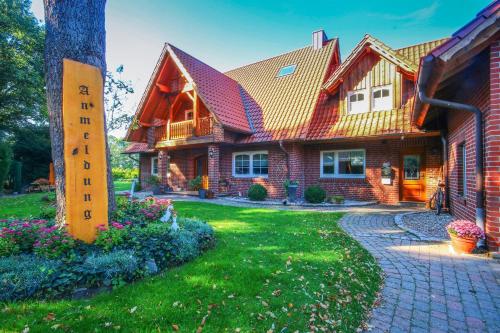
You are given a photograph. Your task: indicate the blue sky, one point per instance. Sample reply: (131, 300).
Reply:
(227, 34)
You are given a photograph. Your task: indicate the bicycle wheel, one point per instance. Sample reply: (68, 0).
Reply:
(439, 203)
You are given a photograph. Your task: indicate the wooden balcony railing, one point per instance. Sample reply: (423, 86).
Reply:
(181, 129)
(184, 129)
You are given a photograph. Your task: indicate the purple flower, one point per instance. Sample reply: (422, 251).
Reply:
(465, 229)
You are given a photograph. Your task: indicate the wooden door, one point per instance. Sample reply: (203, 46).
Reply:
(412, 176)
(201, 169)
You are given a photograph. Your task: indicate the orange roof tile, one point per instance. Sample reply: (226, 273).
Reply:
(138, 147)
(219, 93)
(280, 108)
(415, 52)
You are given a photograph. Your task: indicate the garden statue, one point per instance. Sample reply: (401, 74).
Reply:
(170, 214)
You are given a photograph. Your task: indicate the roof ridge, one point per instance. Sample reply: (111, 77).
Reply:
(278, 55)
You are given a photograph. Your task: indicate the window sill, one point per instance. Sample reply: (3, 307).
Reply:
(342, 179)
(250, 177)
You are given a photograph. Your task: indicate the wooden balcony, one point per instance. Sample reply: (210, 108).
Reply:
(183, 130)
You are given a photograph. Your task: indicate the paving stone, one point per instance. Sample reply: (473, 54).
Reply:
(427, 288)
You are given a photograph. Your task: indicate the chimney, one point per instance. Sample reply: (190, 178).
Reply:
(319, 39)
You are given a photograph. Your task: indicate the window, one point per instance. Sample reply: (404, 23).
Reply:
(154, 166)
(251, 164)
(286, 70)
(411, 167)
(343, 164)
(462, 169)
(357, 102)
(189, 115)
(382, 98)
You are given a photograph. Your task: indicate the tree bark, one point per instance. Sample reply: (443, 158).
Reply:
(74, 30)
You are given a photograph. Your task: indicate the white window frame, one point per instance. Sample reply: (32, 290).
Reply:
(251, 154)
(391, 101)
(186, 114)
(365, 101)
(157, 166)
(336, 173)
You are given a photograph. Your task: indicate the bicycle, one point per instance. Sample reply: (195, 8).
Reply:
(437, 199)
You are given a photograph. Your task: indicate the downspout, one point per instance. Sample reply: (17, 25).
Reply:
(287, 154)
(425, 73)
(444, 142)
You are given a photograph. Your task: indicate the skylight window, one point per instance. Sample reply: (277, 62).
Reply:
(286, 70)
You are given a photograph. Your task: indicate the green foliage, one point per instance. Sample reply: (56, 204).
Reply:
(121, 173)
(195, 184)
(108, 238)
(119, 160)
(25, 276)
(315, 194)
(53, 243)
(31, 147)
(22, 93)
(15, 176)
(338, 199)
(108, 269)
(8, 247)
(116, 91)
(289, 182)
(257, 192)
(5, 161)
(154, 180)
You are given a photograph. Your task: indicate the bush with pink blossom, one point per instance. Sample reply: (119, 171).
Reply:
(115, 235)
(465, 229)
(53, 242)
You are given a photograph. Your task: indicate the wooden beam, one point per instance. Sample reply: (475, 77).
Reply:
(163, 88)
(196, 114)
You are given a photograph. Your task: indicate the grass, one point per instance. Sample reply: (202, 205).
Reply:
(23, 206)
(122, 185)
(270, 270)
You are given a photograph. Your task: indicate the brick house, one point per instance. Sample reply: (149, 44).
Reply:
(302, 115)
(465, 70)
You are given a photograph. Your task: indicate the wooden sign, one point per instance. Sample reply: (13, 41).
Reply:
(84, 150)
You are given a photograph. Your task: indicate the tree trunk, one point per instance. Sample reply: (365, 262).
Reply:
(74, 30)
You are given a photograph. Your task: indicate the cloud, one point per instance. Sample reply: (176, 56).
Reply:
(411, 18)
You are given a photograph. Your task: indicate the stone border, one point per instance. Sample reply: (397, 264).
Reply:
(398, 219)
(348, 203)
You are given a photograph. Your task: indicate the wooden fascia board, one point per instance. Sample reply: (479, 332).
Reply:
(148, 90)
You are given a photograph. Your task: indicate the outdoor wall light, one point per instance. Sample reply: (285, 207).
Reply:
(211, 152)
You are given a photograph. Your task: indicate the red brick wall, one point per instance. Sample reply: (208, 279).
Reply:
(492, 151)
(277, 170)
(377, 152)
(145, 169)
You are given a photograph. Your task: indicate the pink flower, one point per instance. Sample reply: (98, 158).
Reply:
(465, 229)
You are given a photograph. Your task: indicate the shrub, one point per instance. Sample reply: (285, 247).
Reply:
(53, 243)
(127, 174)
(153, 242)
(47, 213)
(337, 199)
(112, 268)
(195, 184)
(315, 194)
(257, 192)
(465, 229)
(25, 275)
(184, 247)
(8, 247)
(108, 238)
(5, 161)
(23, 233)
(202, 232)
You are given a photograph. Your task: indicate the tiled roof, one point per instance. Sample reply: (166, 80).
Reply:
(281, 108)
(137, 147)
(380, 48)
(219, 93)
(415, 52)
(329, 123)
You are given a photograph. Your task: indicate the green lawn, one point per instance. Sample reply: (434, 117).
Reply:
(270, 270)
(23, 206)
(122, 185)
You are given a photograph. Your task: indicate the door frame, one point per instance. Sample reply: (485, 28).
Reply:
(204, 171)
(423, 174)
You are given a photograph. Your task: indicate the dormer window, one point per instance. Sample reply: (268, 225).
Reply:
(382, 98)
(286, 70)
(357, 101)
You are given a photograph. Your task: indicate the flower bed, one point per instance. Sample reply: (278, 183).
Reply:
(38, 259)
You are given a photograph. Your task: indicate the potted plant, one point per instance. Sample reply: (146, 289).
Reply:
(196, 185)
(155, 183)
(464, 235)
(291, 189)
(338, 199)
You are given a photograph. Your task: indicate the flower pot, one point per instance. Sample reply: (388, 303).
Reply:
(463, 245)
(202, 193)
(292, 192)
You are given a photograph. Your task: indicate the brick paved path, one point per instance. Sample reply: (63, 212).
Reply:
(427, 289)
